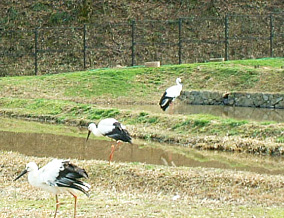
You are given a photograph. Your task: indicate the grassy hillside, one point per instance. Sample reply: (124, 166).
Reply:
(140, 84)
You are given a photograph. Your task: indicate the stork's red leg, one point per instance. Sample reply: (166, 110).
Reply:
(75, 204)
(111, 153)
(57, 205)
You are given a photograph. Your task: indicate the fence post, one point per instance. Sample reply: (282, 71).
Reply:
(133, 43)
(84, 45)
(226, 37)
(179, 41)
(36, 50)
(271, 35)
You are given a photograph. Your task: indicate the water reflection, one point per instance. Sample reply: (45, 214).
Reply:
(43, 145)
(242, 113)
(247, 113)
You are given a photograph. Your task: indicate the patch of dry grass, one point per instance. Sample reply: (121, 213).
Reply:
(140, 190)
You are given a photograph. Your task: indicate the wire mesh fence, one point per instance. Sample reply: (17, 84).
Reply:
(185, 40)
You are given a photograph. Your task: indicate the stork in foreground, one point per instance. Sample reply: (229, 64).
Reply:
(170, 95)
(56, 177)
(113, 129)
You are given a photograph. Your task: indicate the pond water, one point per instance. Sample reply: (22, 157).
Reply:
(241, 113)
(69, 147)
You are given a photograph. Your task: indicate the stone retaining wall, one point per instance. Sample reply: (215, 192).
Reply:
(263, 100)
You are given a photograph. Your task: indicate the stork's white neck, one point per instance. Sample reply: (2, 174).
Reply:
(94, 129)
(33, 178)
(178, 82)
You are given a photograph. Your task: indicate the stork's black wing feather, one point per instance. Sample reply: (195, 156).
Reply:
(119, 133)
(75, 184)
(69, 177)
(73, 171)
(165, 101)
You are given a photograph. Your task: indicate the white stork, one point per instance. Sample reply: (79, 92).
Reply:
(170, 95)
(56, 177)
(111, 128)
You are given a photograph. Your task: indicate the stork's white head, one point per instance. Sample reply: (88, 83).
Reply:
(92, 126)
(178, 81)
(32, 166)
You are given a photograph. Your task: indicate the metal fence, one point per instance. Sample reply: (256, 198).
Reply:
(186, 40)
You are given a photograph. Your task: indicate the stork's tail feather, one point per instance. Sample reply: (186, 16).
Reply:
(69, 177)
(127, 137)
(165, 103)
(75, 184)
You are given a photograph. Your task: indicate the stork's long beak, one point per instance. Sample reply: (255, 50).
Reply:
(22, 173)
(88, 135)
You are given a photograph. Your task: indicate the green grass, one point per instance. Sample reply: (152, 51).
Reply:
(97, 83)
(268, 62)
(146, 84)
(57, 108)
(234, 123)
(208, 124)
(16, 125)
(37, 106)
(144, 117)
(280, 139)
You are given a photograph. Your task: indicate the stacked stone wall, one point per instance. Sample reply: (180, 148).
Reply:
(262, 100)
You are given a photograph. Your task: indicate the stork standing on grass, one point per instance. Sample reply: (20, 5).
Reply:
(170, 95)
(113, 129)
(56, 177)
